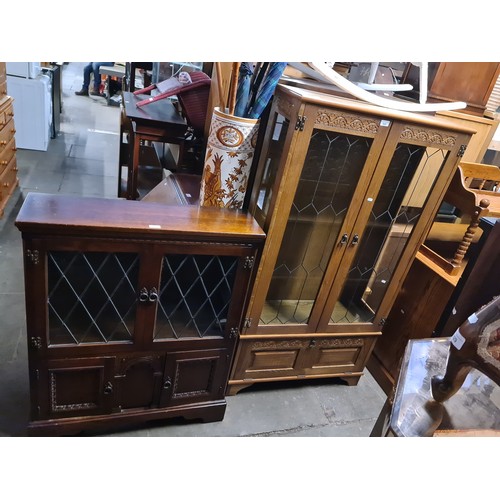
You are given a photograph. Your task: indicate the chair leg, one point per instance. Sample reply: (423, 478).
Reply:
(444, 387)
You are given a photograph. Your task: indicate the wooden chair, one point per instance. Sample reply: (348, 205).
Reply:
(474, 193)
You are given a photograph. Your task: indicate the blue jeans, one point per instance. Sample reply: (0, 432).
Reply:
(93, 67)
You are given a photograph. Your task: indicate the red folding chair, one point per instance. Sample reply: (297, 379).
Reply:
(193, 99)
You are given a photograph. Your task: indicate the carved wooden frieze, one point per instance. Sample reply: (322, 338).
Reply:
(341, 343)
(429, 136)
(332, 118)
(281, 344)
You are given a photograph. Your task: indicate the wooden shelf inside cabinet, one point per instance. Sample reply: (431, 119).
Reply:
(133, 309)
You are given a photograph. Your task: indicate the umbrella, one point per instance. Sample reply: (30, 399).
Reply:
(266, 90)
(260, 71)
(243, 92)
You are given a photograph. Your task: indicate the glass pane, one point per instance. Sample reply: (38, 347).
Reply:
(92, 296)
(329, 177)
(408, 182)
(194, 297)
(274, 155)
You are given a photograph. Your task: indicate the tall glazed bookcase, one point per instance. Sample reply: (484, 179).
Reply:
(346, 193)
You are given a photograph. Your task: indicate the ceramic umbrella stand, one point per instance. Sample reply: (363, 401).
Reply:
(228, 158)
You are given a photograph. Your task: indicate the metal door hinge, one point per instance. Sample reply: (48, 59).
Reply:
(299, 125)
(461, 150)
(247, 323)
(249, 262)
(382, 322)
(36, 342)
(33, 255)
(233, 333)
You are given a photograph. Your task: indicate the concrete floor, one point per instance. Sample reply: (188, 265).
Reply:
(82, 161)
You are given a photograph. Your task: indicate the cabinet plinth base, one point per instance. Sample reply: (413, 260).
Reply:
(208, 412)
(236, 386)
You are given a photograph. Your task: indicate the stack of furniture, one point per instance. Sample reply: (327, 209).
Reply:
(8, 165)
(346, 193)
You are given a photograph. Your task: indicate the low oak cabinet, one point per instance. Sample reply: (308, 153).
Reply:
(345, 193)
(133, 309)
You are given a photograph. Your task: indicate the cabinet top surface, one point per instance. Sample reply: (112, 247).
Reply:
(61, 214)
(323, 99)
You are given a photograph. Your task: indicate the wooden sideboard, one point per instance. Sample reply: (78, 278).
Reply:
(135, 316)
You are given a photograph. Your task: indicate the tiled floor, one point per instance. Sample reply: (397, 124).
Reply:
(82, 161)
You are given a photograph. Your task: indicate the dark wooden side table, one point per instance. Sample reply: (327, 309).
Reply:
(157, 122)
(412, 412)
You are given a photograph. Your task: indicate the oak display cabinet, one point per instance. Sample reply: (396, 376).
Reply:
(133, 309)
(345, 192)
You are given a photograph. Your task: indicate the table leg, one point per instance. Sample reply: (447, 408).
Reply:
(133, 168)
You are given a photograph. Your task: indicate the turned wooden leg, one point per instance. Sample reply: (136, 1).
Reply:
(476, 344)
(443, 387)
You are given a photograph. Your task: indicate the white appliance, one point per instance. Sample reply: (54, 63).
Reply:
(32, 110)
(24, 69)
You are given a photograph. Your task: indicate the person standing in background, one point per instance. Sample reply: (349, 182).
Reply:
(92, 67)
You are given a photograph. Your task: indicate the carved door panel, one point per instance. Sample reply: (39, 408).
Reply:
(337, 355)
(75, 387)
(194, 376)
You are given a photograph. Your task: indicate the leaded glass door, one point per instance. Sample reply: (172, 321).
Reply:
(389, 228)
(92, 296)
(334, 156)
(195, 297)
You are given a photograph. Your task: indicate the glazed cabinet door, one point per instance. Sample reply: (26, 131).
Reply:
(81, 298)
(307, 198)
(200, 295)
(400, 202)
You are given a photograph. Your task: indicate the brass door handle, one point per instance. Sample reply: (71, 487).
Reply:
(143, 295)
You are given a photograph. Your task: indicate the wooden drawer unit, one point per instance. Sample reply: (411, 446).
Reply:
(304, 357)
(3, 91)
(6, 154)
(8, 165)
(3, 72)
(3, 81)
(7, 133)
(8, 183)
(6, 111)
